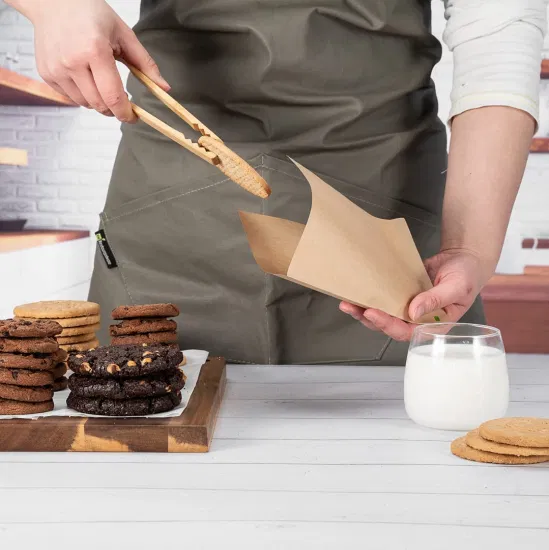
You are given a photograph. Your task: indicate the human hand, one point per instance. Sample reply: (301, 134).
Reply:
(76, 44)
(457, 275)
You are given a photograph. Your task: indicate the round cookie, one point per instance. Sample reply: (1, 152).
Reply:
(24, 377)
(142, 326)
(460, 448)
(76, 339)
(151, 339)
(26, 361)
(28, 345)
(474, 440)
(60, 356)
(7, 406)
(20, 328)
(146, 310)
(75, 331)
(523, 432)
(81, 346)
(57, 309)
(19, 393)
(125, 361)
(71, 322)
(59, 370)
(124, 407)
(127, 388)
(60, 384)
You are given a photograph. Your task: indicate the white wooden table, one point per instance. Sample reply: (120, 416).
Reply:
(304, 457)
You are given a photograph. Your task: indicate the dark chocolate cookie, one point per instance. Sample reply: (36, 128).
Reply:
(20, 393)
(7, 406)
(125, 361)
(25, 377)
(21, 328)
(153, 338)
(26, 361)
(127, 388)
(142, 326)
(28, 345)
(60, 384)
(59, 370)
(127, 407)
(146, 310)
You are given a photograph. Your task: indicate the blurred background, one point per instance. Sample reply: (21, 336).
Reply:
(55, 165)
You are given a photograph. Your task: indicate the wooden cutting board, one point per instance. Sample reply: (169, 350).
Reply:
(189, 433)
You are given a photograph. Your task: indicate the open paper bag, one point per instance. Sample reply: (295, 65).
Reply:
(342, 251)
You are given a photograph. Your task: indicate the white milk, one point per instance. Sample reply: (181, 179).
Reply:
(456, 386)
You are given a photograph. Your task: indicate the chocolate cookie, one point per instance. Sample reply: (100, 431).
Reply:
(19, 393)
(7, 406)
(60, 384)
(127, 388)
(76, 338)
(146, 310)
(128, 407)
(81, 346)
(19, 328)
(151, 339)
(60, 356)
(26, 361)
(59, 370)
(125, 361)
(57, 309)
(71, 322)
(142, 326)
(28, 345)
(75, 331)
(25, 377)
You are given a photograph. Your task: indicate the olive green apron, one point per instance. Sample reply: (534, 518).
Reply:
(343, 87)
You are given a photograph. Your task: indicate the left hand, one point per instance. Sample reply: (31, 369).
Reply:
(457, 275)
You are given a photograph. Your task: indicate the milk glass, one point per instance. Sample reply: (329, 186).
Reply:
(456, 376)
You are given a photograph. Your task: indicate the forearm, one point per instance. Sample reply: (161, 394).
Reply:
(30, 7)
(488, 152)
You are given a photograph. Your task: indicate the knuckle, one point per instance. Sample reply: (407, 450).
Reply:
(113, 99)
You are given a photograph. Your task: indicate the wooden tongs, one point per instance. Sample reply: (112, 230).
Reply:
(209, 147)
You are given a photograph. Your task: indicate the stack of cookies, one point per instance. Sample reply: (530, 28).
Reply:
(148, 324)
(31, 364)
(126, 380)
(78, 319)
(506, 441)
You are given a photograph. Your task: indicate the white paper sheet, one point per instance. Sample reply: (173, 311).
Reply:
(195, 360)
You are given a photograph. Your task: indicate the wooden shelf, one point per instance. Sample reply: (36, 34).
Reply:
(544, 69)
(16, 89)
(14, 157)
(540, 145)
(21, 240)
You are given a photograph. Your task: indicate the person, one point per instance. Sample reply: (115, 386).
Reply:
(342, 86)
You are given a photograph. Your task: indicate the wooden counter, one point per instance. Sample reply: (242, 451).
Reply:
(22, 240)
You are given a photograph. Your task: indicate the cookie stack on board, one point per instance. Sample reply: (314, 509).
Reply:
(79, 321)
(506, 441)
(126, 380)
(145, 324)
(31, 363)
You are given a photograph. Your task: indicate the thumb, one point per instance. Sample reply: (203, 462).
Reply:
(440, 296)
(133, 52)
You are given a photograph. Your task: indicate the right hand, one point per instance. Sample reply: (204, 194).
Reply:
(76, 45)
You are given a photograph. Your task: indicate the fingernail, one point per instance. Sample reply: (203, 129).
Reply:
(420, 311)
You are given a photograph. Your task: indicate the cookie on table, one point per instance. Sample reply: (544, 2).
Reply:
(150, 339)
(522, 432)
(25, 377)
(79, 330)
(60, 384)
(130, 327)
(476, 441)
(125, 361)
(20, 328)
(27, 394)
(27, 361)
(460, 448)
(7, 406)
(57, 309)
(146, 310)
(127, 388)
(81, 346)
(28, 345)
(124, 407)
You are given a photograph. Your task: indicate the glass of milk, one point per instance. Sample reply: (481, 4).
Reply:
(456, 376)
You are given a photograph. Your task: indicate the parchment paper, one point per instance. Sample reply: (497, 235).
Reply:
(342, 251)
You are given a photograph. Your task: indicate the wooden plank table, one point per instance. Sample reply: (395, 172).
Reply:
(303, 457)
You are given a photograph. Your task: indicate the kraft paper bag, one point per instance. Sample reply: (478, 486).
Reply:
(342, 251)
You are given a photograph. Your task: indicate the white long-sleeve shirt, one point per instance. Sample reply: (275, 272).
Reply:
(497, 46)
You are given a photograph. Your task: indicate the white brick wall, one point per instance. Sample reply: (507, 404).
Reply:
(63, 188)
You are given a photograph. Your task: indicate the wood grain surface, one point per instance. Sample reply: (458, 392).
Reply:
(191, 432)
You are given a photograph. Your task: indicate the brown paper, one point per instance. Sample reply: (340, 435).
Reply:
(342, 251)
